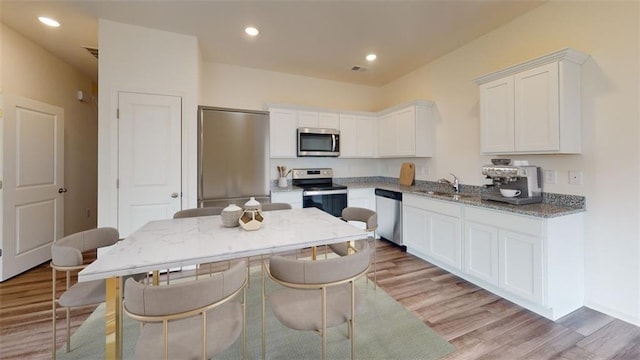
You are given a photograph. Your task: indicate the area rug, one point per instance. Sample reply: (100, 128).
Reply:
(384, 330)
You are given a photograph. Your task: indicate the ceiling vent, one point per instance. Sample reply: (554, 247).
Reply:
(92, 51)
(358, 68)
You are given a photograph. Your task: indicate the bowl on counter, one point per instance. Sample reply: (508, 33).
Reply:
(510, 192)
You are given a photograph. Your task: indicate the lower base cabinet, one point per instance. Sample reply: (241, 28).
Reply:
(534, 262)
(364, 198)
(291, 197)
(432, 229)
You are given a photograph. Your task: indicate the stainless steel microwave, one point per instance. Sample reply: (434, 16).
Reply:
(318, 142)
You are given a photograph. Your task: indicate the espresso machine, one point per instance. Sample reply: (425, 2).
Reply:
(527, 179)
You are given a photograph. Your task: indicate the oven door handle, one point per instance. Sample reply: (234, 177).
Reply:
(324, 192)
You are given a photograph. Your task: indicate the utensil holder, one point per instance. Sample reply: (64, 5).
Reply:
(282, 182)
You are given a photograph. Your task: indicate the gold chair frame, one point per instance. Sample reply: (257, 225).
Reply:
(68, 270)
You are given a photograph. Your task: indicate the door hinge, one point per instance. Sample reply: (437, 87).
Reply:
(0, 252)
(117, 183)
(117, 113)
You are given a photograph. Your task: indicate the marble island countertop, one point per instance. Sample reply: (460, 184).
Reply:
(553, 205)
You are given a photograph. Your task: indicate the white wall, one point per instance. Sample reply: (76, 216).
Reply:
(246, 88)
(30, 71)
(610, 158)
(139, 59)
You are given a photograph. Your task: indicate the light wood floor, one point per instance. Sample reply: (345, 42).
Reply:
(479, 324)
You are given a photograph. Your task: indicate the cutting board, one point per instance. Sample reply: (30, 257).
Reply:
(407, 174)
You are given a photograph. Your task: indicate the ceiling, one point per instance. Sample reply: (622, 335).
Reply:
(322, 39)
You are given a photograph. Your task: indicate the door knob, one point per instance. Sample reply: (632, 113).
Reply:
(174, 195)
(62, 190)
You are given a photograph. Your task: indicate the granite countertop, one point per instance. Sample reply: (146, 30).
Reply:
(553, 205)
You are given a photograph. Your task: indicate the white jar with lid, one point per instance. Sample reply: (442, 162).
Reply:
(251, 218)
(230, 215)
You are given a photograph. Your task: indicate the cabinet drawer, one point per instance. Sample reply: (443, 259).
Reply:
(517, 223)
(437, 206)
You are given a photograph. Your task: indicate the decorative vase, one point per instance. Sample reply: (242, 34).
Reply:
(251, 218)
(230, 215)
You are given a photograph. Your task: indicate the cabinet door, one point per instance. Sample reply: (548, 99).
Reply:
(537, 112)
(308, 119)
(292, 197)
(414, 230)
(444, 239)
(367, 136)
(282, 133)
(364, 198)
(481, 252)
(328, 120)
(348, 136)
(497, 116)
(387, 135)
(521, 265)
(405, 121)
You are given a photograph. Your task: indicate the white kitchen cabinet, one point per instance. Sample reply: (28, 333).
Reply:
(481, 252)
(364, 198)
(533, 107)
(414, 230)
(314, 119)
(358, 136)
(282, 133)
(520, 268)
(291, 197)
(432, 230)
(405, 131)
(534, 262)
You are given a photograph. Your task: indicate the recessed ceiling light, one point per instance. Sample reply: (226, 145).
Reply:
(251, 31)
(49, 21)
(371, 57)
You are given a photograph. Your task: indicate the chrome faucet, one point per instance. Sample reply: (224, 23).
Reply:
(455, 183)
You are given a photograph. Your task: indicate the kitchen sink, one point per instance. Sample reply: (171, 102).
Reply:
(452, 196)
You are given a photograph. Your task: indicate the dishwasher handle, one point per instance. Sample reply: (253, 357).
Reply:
(389, 194)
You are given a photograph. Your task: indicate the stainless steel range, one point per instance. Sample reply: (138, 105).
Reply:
(319, 190)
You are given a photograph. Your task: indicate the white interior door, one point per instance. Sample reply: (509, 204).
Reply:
(149, 159)
(33, 210)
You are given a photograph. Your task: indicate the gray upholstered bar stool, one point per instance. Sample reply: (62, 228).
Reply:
(316, 294)
(370, 219)
(66, 256)
(195, 212)
(194, 319)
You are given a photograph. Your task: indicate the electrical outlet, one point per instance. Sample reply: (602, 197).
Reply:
(575, 177)
(550, 176)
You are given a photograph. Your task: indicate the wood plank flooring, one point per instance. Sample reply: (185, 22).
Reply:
(479, 324)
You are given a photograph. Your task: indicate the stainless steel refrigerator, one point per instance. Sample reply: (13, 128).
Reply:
(233, 156)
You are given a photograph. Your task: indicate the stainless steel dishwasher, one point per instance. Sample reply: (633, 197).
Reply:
(389, 208)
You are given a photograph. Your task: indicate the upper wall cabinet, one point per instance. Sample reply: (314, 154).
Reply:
(405, 131)
(314, 119)
(533, 107)
(401, 131)
(283, 124)
(282, 132)
(358, 136)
